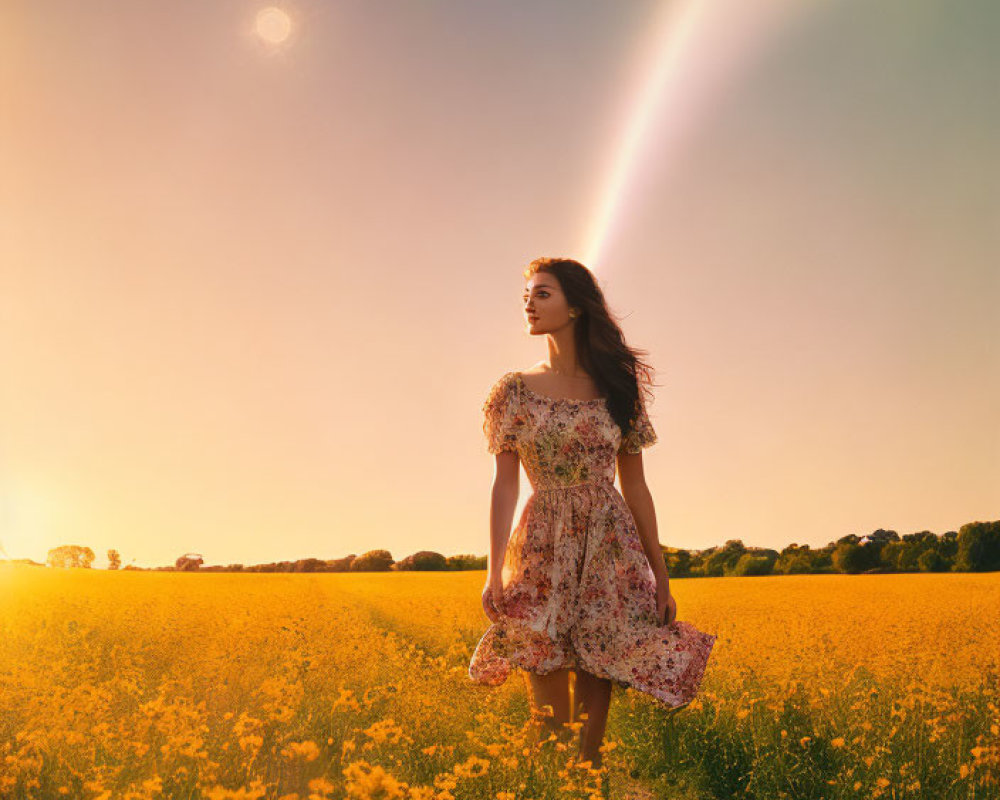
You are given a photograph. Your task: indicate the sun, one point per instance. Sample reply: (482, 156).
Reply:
(273, 25)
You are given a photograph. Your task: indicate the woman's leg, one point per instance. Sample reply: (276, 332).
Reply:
(593, 696)
(551, 690)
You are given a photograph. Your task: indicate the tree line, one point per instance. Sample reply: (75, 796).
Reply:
(975, 547)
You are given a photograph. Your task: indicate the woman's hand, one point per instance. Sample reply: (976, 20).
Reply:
(492, 600)
(666, 606)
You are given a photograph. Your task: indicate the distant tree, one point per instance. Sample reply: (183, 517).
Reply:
(851, 558)
(722, 561)
(424, 561)
(114, 560)
(467, 561)
(925, 538)
(909, 557)
(341, 564)
(677, 561)
(822, 560)
(882, 536)
(931, 561)
(750, 564)
(373, 561)
(978, 547)
(794, 560)
(70, 555)
(189, 562)
(799, 565)
(310, 565)
(948, 547)
(714, 565)
(890, 554)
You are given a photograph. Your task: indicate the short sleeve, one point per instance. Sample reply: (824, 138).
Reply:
(641, 434)
(501, 420)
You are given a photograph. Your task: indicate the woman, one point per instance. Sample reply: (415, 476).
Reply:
(583, 586)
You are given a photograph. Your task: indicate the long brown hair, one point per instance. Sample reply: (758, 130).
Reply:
(600, 345)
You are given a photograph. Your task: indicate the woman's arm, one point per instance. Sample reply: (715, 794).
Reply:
(506, 485)
(640, 502)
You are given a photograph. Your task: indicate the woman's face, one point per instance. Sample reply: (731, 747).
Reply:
(545, 306)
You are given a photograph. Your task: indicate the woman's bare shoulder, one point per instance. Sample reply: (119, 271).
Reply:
(534, 369)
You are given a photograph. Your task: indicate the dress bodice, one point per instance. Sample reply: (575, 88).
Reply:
(562, 442)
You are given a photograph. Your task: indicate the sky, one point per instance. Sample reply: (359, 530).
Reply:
(253, 293)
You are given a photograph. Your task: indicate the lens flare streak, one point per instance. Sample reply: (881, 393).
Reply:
(699, 48)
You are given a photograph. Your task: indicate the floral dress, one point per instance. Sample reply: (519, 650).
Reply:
(578, 590)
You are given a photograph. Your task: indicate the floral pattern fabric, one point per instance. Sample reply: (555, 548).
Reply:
(578, 590)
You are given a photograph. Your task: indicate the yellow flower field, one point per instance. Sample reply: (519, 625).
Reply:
(183, 685)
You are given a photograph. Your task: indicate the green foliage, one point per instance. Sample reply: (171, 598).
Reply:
(978, 547)
(424, 561)
(750, 564)
(850, 558)
(372, 561)
(467, 561)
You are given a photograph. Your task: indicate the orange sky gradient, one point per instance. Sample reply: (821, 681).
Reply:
(253, 294)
